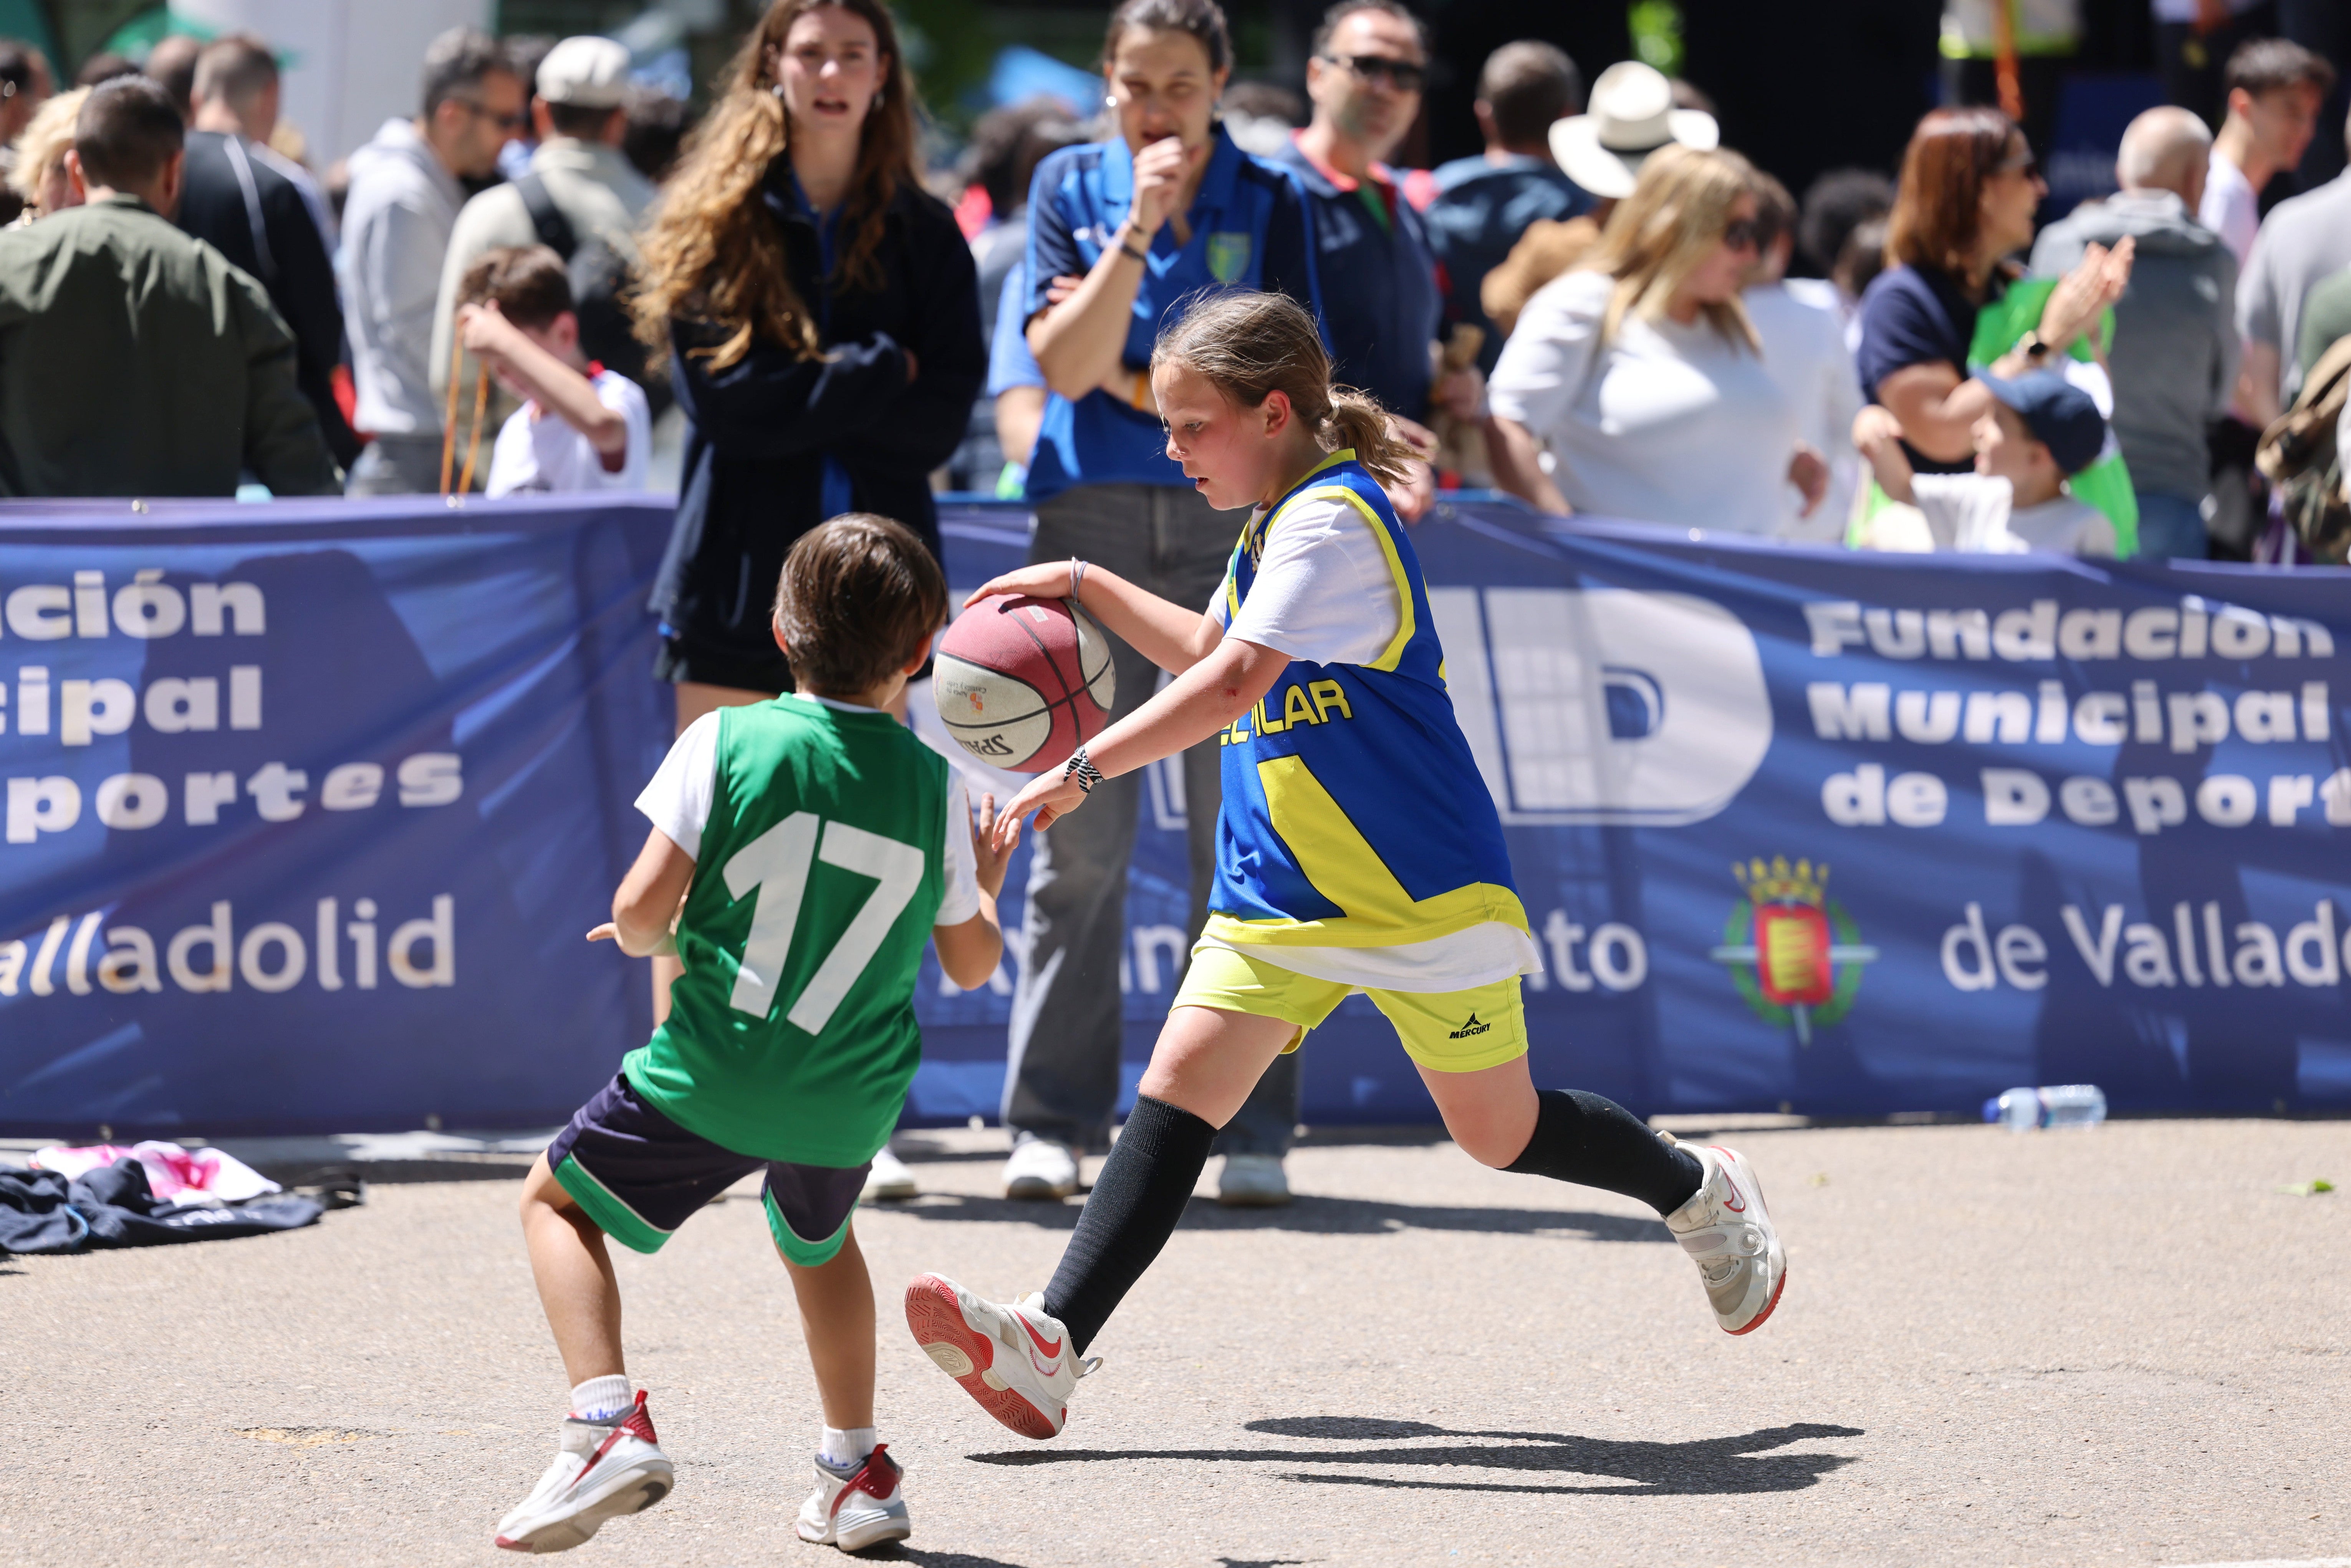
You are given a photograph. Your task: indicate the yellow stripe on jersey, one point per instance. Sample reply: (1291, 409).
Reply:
(1345, 868)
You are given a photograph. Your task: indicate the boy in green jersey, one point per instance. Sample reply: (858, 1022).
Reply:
(837, 845)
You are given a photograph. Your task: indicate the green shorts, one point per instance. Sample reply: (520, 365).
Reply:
(1444, 1031)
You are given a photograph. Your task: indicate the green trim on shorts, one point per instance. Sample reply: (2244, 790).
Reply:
(616, 1218)
(794, 1246)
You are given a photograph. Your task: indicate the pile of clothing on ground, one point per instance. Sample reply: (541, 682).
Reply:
(82, 1199)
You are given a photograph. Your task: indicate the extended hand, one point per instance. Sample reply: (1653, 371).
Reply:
(1050, 795)
(2097, 282)
(483, 330)
(1873, 426)
(1808, 471)
(989, 857)
(1462, 393)
(1046, 580)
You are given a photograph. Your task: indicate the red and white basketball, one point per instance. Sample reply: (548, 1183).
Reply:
(1022, 683)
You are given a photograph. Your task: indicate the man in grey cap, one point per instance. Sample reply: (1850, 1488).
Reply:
(582, 191)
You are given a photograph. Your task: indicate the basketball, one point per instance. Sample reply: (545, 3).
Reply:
(1022, 683)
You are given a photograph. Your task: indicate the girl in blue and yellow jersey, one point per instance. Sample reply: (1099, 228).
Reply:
(1357, 850)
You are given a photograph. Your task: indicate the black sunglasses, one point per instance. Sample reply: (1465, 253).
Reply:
(1400, 75)
(2024, 163)
(1742, 234)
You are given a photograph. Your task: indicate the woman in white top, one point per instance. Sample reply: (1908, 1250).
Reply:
(1633, 387)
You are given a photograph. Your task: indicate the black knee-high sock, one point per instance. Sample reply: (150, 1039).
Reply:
(1585, 1138)
(1129, 1215)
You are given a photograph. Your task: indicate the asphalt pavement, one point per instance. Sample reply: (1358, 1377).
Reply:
(2124, 1346)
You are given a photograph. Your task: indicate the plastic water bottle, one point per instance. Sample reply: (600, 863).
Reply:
(2062, 1105)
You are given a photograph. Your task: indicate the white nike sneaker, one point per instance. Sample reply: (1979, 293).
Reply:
(1040, 1168)
(1014, 1358)
(1726, 1228)
(605, 1469)
(1253, 1181)
(888, 1180)
(858, 1507)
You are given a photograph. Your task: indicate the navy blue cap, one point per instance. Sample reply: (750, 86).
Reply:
(2060, 415)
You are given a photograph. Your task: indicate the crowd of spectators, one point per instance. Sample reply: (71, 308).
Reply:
(1595, 314)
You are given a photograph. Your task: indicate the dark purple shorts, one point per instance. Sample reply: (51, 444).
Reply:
(640, 1176)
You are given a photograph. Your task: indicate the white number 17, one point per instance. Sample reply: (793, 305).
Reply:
(776, 864)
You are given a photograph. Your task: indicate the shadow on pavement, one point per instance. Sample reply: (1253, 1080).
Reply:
(1706, 1466)
(1318, 1215)
(898, 1553)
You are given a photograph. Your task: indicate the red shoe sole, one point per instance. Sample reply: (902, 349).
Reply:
(936, 1320)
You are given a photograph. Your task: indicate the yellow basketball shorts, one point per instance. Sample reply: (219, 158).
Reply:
(1444, 1031)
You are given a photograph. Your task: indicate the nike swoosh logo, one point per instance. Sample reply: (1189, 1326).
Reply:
(1049, 1346)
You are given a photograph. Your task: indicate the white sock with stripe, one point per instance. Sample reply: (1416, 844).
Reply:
(602, 1398)
(845, 1448)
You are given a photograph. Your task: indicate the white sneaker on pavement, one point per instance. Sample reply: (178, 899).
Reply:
(1253, 1181)
(1725, 1227)
(1013, 1357)
(605, 1469)
(856, 1507)
(1040, 1168)
(887, 1180)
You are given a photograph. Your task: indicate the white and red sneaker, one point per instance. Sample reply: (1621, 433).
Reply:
(1013, 1357)
(859, 1507)
(1726, 1229)
(605, 1469)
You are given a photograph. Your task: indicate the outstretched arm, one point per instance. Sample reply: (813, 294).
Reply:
(1196, 704)
(646, 904)
(1172, 636)
(970, 950)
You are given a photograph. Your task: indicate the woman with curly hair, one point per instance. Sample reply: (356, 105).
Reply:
(820, 316)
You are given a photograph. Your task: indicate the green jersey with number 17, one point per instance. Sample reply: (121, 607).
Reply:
(792, 1035)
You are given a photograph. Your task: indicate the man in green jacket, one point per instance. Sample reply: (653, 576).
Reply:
(134, 360)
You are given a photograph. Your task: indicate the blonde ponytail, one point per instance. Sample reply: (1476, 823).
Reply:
(1357, 420)
(1249, 345)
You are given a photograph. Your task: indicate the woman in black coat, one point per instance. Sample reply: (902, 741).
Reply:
(820, 313)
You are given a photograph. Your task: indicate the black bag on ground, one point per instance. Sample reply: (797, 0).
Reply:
(601, 280)
(2301, 459)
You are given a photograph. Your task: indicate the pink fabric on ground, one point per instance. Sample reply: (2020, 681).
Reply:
(174, 1174)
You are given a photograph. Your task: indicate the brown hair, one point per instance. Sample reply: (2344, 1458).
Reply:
(1249, 345)
(859, 599)
(126, 132)
(1528, 85)
(1938, 207)
(714, 256)
(2267, 65)
(1676, 216)
(233, 70)
(1203, 19)
(527, 283)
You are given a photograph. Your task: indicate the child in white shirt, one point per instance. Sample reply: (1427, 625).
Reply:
(582, 427)
(2039, 431)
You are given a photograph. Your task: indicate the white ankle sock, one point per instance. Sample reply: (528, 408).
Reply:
(602, 1398)
(849, 1446)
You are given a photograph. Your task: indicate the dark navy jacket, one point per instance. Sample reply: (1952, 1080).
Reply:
(761, 430)
(1478, 213)
(1381, 309)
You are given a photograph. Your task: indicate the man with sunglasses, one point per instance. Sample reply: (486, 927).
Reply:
(407, 186)
(1382, 303)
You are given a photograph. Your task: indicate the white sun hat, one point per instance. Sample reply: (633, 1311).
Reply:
(1632, 115)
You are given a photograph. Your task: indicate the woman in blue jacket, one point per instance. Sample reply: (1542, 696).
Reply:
(821, 315)
(1130, 229)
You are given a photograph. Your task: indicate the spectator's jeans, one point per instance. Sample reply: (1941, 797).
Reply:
(1063, 1079)
(398, 466)
(2171, 528)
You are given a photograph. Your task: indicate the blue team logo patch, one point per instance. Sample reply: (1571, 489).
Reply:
(1228, 256)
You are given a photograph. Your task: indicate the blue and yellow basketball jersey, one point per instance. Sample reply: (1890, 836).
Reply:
(1355, 815)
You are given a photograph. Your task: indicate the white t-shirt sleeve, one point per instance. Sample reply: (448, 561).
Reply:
(627, 399)
(962, 869)
(678, 799)
(1549, 356)
(1323, 593)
